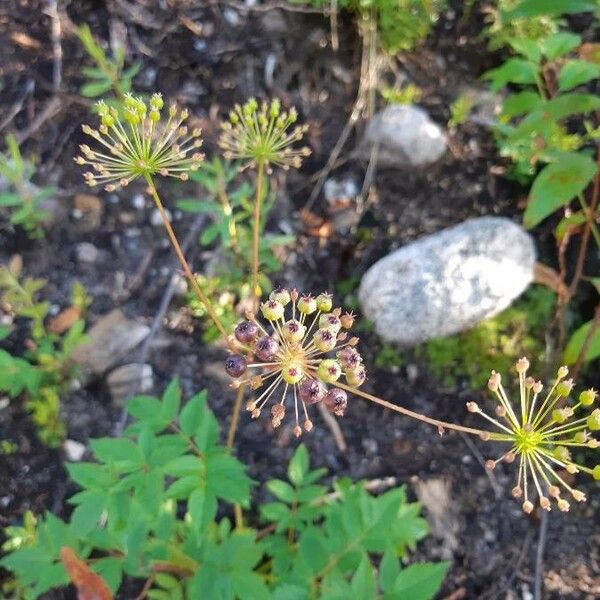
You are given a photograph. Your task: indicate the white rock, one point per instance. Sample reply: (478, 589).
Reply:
(448, 281)
(73, 450)
(406, 137)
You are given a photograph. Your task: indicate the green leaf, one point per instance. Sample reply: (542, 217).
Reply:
(389, 568)
(557, 184)
(534, 8)
(110, 569)
(10, 200)
(90, 475)
(558, 44)
(577, 72)
(298, 466)
(86, 515)
(94, 89)
(518, 104)
(110, 450)
(209, 235)
(514, 70)
(576, 342)
(170, 401)
(281, 490)
(363, 581)
(566, 223)
(420, 581)
(192, 414)
(192, 205)
(312, 550)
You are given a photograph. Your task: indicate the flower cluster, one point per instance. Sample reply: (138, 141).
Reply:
(304, 353)
(262, 133)
(138, 142)
(543, 431)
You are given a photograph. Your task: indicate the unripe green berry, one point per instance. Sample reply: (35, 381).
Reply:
(325, 339)
(272, 310)
(356, 378)
(558, 416)
(587, 397)
(292, 373)
(324, 302)
(562, 453)
(293, 331)
(108, 120)
(154, 116)
(329, 321)
(580, 437)
(156, 101)
(307, 304)
(564, 388)
(280, 295)
(329, 370)
(593, 421)
(596, 473)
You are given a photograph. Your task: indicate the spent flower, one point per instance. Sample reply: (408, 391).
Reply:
(263, 133)
(139, 141)
(301, 354)
(543, 431)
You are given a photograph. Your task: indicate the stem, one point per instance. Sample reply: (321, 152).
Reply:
(410, 413)
(184, 264)
(589, 215)
(235, 415)
(256, 233)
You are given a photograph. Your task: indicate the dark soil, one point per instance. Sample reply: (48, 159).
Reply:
(208, 55)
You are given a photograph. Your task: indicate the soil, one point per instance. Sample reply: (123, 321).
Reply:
(208, 55)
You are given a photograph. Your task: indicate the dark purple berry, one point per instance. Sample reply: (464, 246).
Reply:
(246, 332)
(336, 401)
(235, 365)
(266, 348)
(312, 391)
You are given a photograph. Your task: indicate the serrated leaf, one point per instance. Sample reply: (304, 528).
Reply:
(514, 70)
(192, 414)
(363, 580)
(420, 581)
(556, 185)
(90, 475)
(110, 450)
(577, 72)
(312, 550)
(282, 490)
(576, 341)
(558, 44)
(298, 466)
(171, 400)
(389, 567)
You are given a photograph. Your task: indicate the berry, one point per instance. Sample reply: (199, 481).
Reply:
(272, 310)
(266, 348)
(312, 391)
(246, 332)
(235, 365)
(349, 359)
(324, 339)
(347, 320)
(324, 302)
(330, 321)
(596, 473)
(280, 295)
(336, 401)
(564, 388)
(593, 421)
(329, 370)
(307, 304)
(587, 397)
(293, 331)
(292, 373)
(356, 378)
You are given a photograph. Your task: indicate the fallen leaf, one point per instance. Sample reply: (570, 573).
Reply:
(64, 320)
(90, 586)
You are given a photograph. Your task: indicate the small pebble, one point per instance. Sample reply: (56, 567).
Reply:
(74, 451)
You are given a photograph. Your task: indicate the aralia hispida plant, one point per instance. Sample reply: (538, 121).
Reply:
(302, 354)
(542, 430)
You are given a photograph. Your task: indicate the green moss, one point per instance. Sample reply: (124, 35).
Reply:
(495, 343)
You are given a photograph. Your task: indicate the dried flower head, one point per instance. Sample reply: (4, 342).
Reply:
(542, 433)
(263, 134)
(139, 142)
(304, 353)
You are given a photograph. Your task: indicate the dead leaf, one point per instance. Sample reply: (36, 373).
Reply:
(25, 41)
(90, 586)
(64, 320)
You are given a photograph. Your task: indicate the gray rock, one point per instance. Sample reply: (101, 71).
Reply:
(405, 136)
(448, 281)
(86, 252)
(110, 340)
(132, 378)
(73, 450)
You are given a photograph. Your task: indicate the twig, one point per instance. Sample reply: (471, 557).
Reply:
(259, 8)
(52, 108)
(334, 427)
(481, 460)
(538, 583)
(18, 105)
(57, 52)
(158, 318)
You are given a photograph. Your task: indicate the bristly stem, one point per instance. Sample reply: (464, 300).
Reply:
(409, 413)
(260, 173)
(184, 264)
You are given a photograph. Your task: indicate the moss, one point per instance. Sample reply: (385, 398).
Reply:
(495, 343)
